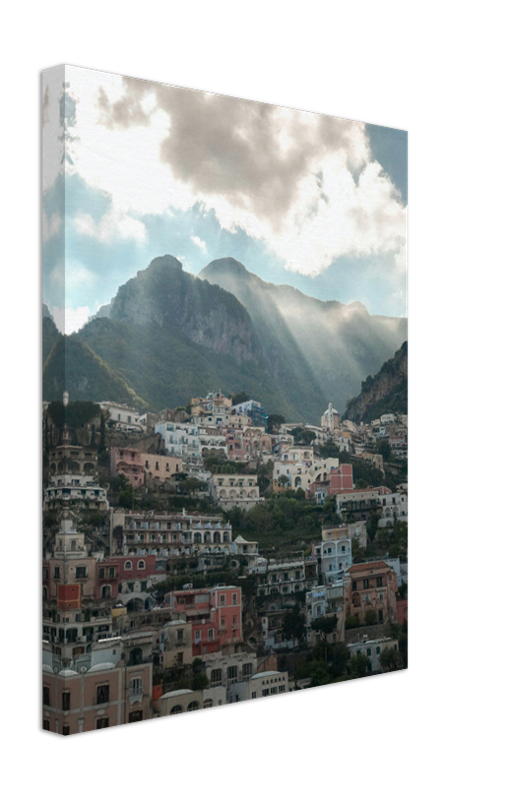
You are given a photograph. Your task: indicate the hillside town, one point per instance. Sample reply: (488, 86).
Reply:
(215, 553)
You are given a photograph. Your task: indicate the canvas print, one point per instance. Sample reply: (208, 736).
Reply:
(224, 421)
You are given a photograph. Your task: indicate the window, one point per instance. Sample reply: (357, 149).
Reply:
(45, 725)
(180, 635)
(253, 695)
(378, 651)
(45, 695)
(232, 673)
(247, 670)
(216, 677)
(354, 585)
(234, 599)
(273, 690)
(66, 701)
(211, 634)
(176, 710)
(66, 730)
(103, 694)
(197, 636)
(102, 572)
(104, 722)
(265, 692)
(141, 564)
(222, 599)
(137, 686)
(379, 582)
(365, 583)
(57, 573)
(193, 706)
(111, 572)
(128, 565)
(81, 572)
(281, 688)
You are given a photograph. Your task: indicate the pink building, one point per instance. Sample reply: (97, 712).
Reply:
(135, 573)
(215, 614)
(402, 611)
(105, 696)
(127, 462)
(160, 468)
(339, 479)
(238, 445)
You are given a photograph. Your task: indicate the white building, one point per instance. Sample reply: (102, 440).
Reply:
(228, 669)
(336, 557)
(321, 601)
(394, 507)
(72, 478)
(180, 438)
(229, 491)
(331, 419)
(263, 684)
(372, 649)
(123, 416)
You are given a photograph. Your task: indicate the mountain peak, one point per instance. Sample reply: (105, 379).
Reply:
(162, 264)
(227, 264)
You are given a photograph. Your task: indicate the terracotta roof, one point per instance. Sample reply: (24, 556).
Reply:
(369, 565)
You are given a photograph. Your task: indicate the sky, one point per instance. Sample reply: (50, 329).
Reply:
(134, 169)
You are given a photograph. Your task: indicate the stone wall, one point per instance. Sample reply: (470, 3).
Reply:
(367, 632)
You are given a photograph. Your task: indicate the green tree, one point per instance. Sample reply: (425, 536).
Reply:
(372, 525)
(384, 449)
(370, 617)
(358, 665)
(293, 625)
(325, 625)
(340, 656)
(274, 421)
(102, 434)
(319, 674)
(390, 660)
(240, 397)
(351, 622)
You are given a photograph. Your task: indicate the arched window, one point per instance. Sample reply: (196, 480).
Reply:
(128, 565)
(193, 706)
(106, 591)
(141, 564)
(176, 710)
(208, 703)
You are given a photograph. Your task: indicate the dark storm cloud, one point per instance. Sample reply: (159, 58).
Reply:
(231, 147)
(128, 110)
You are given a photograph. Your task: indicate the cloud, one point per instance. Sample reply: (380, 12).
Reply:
(304, 185)
(111, 226)
(69, 320)
(50, 227)
(199, 243)
(127, 110)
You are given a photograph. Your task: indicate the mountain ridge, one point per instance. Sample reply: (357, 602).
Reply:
(168, 335)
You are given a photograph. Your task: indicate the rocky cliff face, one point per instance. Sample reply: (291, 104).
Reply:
(309, 342)
(385, 393)
(165, 295)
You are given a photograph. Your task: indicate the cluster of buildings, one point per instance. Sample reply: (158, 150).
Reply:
(118, 649)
